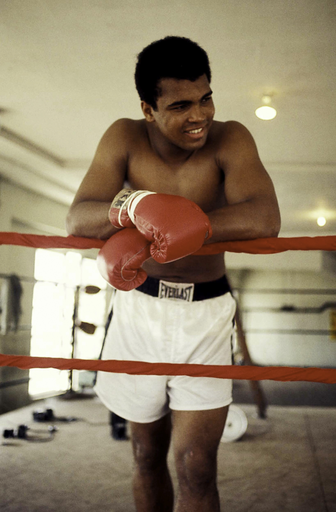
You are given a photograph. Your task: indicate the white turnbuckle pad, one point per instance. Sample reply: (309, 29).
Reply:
(176, 291)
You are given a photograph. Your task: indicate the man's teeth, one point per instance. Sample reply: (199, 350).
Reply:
(196, 131)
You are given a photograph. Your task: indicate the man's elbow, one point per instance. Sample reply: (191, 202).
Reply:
(274, 232)
(71, 225)
(272, 226)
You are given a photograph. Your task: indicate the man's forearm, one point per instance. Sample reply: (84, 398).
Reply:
(90, 219)
(245, 221)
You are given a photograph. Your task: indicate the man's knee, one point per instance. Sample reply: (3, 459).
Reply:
(196, 470)
(151, 445)
(148, 458)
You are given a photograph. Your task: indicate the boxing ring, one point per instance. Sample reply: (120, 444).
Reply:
(253, 373)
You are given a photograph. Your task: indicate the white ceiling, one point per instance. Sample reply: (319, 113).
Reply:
(67, 73)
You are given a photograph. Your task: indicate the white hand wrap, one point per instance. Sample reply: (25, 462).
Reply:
(134, 200)
(121, 212)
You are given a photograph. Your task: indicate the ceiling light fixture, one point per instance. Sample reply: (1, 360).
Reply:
(321, 221)
(267, 111)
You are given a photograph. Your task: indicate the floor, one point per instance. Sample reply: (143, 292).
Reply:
(284, 463)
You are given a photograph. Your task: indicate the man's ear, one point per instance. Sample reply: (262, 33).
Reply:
(147, 111)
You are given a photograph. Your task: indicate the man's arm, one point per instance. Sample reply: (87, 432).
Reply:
(88, 214)
(252, 209)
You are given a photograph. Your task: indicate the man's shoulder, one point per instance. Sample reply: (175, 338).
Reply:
(230, 140)
(225, 128)
(229, 135)
(123, 133)
(126, 126)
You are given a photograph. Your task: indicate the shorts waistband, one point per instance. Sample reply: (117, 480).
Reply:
(185, 291)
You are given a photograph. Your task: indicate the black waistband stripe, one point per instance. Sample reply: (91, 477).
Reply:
(202, 291)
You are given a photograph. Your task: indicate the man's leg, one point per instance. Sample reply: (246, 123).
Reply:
(152, 486)
(196, 436)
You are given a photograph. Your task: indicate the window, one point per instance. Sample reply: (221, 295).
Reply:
(60, 278)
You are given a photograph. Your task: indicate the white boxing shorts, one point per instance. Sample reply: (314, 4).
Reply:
(169, 323)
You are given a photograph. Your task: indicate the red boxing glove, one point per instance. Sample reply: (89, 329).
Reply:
(119, 260)
(176, 226)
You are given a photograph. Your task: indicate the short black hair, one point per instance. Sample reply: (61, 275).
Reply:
(170, 57)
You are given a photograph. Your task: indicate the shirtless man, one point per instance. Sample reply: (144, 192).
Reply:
(177, 149)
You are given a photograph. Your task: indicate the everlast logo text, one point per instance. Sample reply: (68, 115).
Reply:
(178, 291)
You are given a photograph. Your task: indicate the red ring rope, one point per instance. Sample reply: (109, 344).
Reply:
(327, 376)
(260, 246)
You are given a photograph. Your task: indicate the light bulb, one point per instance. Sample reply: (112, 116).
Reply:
(266, 112)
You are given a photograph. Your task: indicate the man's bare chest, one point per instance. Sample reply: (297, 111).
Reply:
(198, 179)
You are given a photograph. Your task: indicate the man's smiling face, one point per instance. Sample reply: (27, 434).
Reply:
(185, 111)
